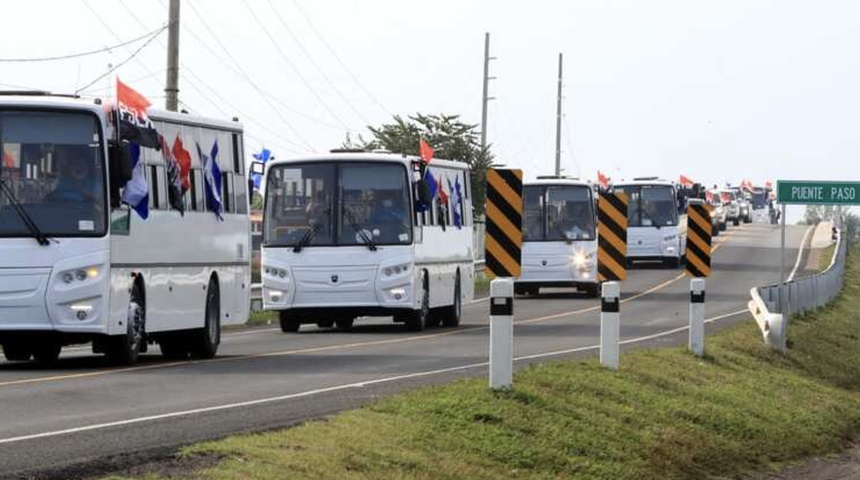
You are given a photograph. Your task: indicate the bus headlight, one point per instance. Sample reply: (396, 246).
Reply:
(276, 272)
(79, 274)
(395, 270)
(582, 260)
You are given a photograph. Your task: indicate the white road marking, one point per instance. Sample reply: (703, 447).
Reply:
(263, 401)
(799, 254)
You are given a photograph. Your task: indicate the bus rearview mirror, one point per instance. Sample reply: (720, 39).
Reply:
(257, 168)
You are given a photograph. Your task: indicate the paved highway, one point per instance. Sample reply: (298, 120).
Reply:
(83, 412)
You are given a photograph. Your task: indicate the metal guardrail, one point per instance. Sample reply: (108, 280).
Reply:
(773, 305)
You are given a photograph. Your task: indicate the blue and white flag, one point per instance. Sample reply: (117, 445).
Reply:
(457, 202)
(212, 179)
(263, 157)
(136, 191)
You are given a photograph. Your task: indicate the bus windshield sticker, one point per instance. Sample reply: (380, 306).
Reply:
(86, 225)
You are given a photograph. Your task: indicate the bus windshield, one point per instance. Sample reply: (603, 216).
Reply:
(650, 205)
(53, 167)
(558, 213)
(337, 203)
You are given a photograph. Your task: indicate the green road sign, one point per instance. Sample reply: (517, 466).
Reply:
(790, 192)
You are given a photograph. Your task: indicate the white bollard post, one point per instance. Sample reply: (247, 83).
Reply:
(697, 316)
(610, 324)
(501, 333)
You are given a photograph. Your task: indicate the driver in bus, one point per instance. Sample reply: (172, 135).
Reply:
(386, 215)
(576, 224)
(317, 208)
(78, 180)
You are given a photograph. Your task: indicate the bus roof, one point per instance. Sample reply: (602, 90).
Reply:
(96, 105)
(369, 156)
(557, 181)
(622, 183)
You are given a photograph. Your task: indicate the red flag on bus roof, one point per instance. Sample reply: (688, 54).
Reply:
(685, 181)
(602, 179)
(425, 151)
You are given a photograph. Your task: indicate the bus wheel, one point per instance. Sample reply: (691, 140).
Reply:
(344, 323)
(207, 339)
(452, 314)
(672, 262)
(47, 354)
(289, 323)
(17, 353)
(418, 320)
(124, 349)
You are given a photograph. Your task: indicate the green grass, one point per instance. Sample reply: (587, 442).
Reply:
(825, 257)
(482, 285)
(664, 415)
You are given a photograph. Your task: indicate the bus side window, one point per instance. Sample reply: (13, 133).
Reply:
(154, 187)
(227, 191)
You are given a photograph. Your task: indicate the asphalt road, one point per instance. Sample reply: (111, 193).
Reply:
(83, 416)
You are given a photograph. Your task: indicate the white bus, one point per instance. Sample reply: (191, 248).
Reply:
(657, 228)
(559, 236)
(344, 237)
(76, 266)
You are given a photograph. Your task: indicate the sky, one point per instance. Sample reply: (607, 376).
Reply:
(719, 91)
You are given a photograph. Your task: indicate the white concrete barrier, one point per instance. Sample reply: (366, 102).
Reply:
(610, 324)
(501, 333)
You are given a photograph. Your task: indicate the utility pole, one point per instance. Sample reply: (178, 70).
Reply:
(171, 90)
(486, 98)
(558, 121)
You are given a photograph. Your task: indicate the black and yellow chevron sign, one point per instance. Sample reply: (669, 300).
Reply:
(612, 237)
(699, 240)
(504, 239)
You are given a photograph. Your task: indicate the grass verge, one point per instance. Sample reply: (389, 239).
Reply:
(665, 414)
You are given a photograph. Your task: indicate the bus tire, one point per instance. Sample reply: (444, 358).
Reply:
(592, 291)
(418, 320)
(125, 349)
(672, 262)
(289, 323)
(736, 222)
(17, 353)
(452, 314)
(206, 340)
(47, 354)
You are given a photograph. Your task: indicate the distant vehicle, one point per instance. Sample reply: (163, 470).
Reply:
(657, 231)
(720, 211)
(761, 205)
(355, 234)
(744, 203)
(733, 208)
(78, 267)
(559, 236)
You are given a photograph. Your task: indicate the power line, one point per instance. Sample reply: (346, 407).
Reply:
(82, 54)
(337, 57)
(293, 67)
(114, 34)
(214, 91)
(112, 69)
(314, 63)
(248, 78)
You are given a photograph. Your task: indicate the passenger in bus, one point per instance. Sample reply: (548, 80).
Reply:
(656, 214)
(78, 180)
(318, 209)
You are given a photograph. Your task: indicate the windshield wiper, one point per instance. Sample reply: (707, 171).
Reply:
(367, 240)
(25, 217)
(308, 236)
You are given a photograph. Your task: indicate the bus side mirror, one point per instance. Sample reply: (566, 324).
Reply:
(257, 168)
(119, 163)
